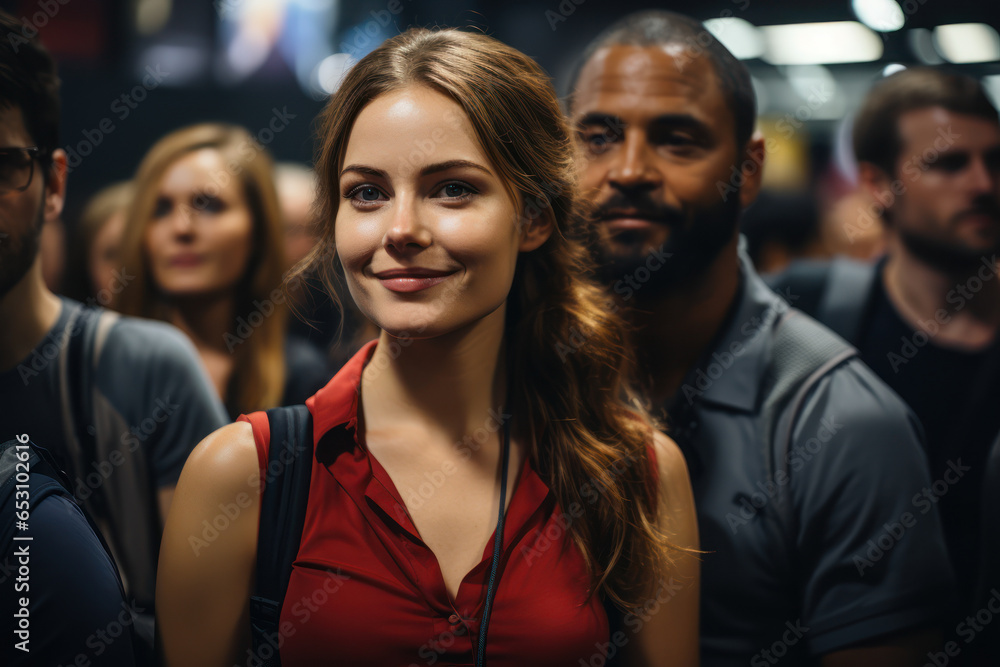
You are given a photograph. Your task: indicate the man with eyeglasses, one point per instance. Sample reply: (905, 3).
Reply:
(120, 402)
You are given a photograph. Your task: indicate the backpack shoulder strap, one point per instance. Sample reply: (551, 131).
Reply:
(802, 284)
(282, 514)
(842, 305)
(803, 352)
(87, 333)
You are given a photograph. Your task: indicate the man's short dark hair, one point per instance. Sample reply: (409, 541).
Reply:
(660, 28)
(876, 125)
(28, 81)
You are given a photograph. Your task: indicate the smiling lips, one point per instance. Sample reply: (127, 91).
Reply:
(185, 260)
(411, 279)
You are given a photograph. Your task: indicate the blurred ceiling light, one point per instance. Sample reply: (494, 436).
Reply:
(331, 70)
(152, 15)
(256, 24)
(820, 43)
(739, 36)
(892, 68)
(817, 88)
(881, 15)
(811, 81)
(967, 42)
(246, 53)
(922, 44)
(185, 63)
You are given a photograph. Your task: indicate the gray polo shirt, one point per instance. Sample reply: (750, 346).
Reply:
(844, 547)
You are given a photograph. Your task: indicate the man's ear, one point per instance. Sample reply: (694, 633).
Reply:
(751, 165)
(535, 231)
(55, 185)
(873, 181)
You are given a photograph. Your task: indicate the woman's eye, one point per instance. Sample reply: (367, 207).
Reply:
(365, 193)
(209, 204)
(161, 208)
(454, 190)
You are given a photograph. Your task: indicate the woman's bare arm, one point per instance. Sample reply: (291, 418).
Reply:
(208, 554)
(664, 631)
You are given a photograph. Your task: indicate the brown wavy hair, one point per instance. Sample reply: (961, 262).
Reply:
(258, 378)
(566, 348)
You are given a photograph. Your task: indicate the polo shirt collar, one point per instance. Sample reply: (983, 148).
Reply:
(337, 403)
(730, 374)
(336, 406)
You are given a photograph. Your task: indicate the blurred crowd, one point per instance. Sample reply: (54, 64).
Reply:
(210, 252)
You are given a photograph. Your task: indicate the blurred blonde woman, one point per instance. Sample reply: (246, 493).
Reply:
(204, 238)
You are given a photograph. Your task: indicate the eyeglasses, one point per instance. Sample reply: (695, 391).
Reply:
(17, 167)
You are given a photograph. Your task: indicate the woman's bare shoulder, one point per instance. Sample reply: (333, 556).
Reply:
(670, 463)
(225, 462)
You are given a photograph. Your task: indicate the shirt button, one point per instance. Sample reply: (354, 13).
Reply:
(454, 619)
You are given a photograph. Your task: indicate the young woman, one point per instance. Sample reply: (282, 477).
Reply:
(204, 240)
(448, 189)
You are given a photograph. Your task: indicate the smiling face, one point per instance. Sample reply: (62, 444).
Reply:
(659, 140)
(425, 227)
(200, 237)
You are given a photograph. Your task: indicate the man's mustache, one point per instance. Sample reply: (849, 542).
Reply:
(983, 206)
(621, 205)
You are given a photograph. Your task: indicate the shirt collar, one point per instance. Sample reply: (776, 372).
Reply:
(731, 372)
(337, 402)
(336, 405)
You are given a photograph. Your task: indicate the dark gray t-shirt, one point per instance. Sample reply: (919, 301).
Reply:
(844, 546)
(150, 375)
(153, 403)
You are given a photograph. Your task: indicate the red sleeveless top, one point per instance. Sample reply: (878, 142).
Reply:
(366, 590)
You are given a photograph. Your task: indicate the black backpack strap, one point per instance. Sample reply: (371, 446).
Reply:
(843, 306)
(282, 515)
(79, 388)
(87, 330)
(802, 284)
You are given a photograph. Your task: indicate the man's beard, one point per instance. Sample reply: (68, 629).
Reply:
(949, 258)
(694, 243)
(944, 254)
(18, 254)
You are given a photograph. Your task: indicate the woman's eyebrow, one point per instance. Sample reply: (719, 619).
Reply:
(429, 169)
(362, 169)
(453, 164)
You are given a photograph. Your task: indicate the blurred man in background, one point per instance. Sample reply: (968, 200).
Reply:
(926, 316)
(120, 402)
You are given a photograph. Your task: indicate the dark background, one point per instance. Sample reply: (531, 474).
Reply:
(103, 53)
